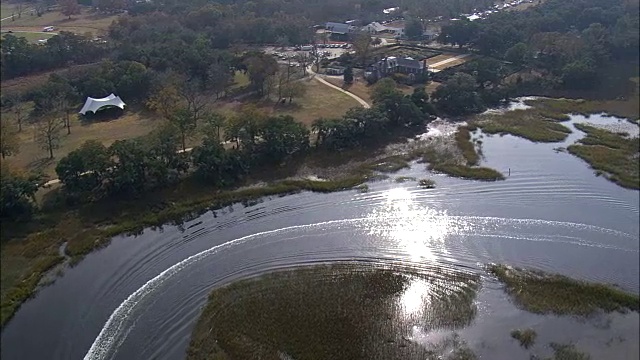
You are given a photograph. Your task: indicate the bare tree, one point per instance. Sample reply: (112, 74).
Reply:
(362, 47)
(48, 133)
(304, 59)
(9, 142)
(19, 9)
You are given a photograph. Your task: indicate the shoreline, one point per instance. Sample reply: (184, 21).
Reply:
(88, 227)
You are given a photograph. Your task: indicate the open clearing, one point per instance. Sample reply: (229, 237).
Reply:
(86, 21)
(32, 157)
(358, 88)
(32, 37)
(318, 101)
(445, 61)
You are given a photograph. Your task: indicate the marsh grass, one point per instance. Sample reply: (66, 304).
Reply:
(567, 352)
(389, 164)
(544, 293)
(609, 154)
(441, 160)
(468, 172)
(427, 184)
(620, 108)
(526, 337)
(403, 179)
(340, 311)
(463, 140)
(531, 124)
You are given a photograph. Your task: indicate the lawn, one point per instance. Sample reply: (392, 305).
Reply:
(318, 101)
(359, 88)
(86, 21)
(32, 157)
(32, 37)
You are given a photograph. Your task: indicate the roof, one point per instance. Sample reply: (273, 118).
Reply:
(410, 63)
(94, 105)
(338, 28)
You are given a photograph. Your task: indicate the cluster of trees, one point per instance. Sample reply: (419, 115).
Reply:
(130, 167)
(567, 40)
(19, 57)
(391, 110)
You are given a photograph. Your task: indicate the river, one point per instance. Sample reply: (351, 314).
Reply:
(551, 213)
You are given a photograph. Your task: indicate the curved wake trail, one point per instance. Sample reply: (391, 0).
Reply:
(115, 332)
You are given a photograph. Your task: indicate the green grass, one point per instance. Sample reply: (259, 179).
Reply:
(340, 311)
(610, 154)
(463, 140)
(389, 164)
(427, 184)
(544, 293)
(526, 337)
(621, 108)
(530, 124)
(467, 172)
(31, 37)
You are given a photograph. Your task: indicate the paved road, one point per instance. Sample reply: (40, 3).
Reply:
(358, 99)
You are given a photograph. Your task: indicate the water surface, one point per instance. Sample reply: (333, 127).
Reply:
(551, 213)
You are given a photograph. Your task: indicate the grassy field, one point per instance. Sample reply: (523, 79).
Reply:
(86, 21)
(32, 37)
(543, 293)
(360, 88)
(614, 155)
(7, 9)
(32, 157)
(24, 84)
(318, 101)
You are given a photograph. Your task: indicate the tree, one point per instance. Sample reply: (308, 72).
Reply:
(213, 124)
(260, 66)
(165, 100)
(421, 99)
(184, 122)
(244, 126)
(17, 193)
(413, 29)
(487, 71)
(85, 169)
(129, 175)
(18, 108)
(580, 74)
(69, 7)
(282, 136)
(460, 32)
(362, 48)
(9, 142)
(304, 60)
(518, 54)
(294, 89)
(348, 75)
(384, 89)
(216, 165)
(48, 133)
(459, 95)
(219, 78)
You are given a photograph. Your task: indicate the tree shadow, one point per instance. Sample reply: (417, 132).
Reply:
(40, 164)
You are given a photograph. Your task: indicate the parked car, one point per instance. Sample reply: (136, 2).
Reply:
(48, 29)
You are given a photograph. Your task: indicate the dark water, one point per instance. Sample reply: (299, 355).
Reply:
(552, 213)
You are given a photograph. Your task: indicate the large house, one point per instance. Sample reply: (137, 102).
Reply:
(377, 28)
(339, 31)
(392, 64)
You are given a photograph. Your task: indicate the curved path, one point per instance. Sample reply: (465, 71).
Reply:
(358, 99)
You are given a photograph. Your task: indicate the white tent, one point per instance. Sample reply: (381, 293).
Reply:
(96, 104)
